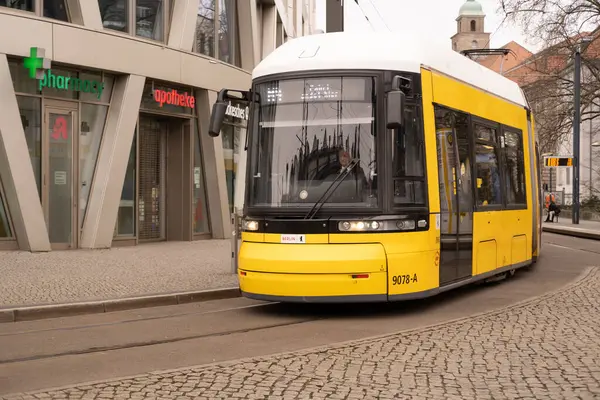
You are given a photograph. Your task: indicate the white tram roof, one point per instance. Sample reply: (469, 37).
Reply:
(384, 51)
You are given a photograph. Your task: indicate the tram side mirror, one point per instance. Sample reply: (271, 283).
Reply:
(395, 109)
(216, 118)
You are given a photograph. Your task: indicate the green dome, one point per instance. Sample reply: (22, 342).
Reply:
(471, 8)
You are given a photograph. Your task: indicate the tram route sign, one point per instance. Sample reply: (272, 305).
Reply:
(558, 161)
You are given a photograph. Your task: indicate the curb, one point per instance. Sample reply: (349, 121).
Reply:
(267, 358)
(575, 232)
(31, 313)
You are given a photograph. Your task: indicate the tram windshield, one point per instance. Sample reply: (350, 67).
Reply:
(311, 133)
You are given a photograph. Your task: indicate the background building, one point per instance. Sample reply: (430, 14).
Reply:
(104, 108)
(470, 28)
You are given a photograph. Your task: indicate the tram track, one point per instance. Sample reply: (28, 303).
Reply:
(52, 352)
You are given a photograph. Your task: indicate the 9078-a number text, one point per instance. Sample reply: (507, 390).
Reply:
(404, 279)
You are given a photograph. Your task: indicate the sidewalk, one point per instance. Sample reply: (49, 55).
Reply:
(60, 277)
(585, 229)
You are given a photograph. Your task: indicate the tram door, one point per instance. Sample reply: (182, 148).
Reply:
(456, 199)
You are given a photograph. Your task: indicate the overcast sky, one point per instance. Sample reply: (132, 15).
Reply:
(429, 17)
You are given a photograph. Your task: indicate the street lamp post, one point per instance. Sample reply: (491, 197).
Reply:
(576, 131)
(577, 126)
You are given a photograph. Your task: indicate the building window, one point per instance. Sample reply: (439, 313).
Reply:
(150, 19)
(54, 9)
(228, 33)
(24, 5)
(227, 47)
(201, 223)
(142, 18)
(93, 118)
(473, 26)
(514, 175)
(5, 231)
(205, 28)
(489, 188)
(474, 44)
(115, 14)
(126, 215)
(30, 109)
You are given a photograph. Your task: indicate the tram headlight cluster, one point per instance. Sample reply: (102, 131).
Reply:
(358, 226)
(250, 225)
(390, 225)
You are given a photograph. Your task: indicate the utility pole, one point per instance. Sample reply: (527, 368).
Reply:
(334, 16)
(576, 133)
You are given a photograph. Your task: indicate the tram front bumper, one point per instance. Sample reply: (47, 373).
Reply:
(313, 272)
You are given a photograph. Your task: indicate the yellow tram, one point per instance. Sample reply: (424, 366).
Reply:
(381, 168)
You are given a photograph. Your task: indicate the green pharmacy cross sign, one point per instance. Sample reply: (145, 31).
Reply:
(39, 68)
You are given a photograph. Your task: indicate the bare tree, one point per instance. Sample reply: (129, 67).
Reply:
(547, 78)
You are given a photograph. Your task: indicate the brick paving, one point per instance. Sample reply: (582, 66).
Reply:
(86, 275)
(547, 348)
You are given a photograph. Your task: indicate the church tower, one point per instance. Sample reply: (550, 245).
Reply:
(470, 28)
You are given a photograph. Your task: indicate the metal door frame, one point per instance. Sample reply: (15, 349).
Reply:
(70, 108)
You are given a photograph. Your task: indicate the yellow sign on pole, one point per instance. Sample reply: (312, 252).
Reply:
(558, 162)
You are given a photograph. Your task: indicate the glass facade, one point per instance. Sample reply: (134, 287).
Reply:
(56, 144)
(166, 112)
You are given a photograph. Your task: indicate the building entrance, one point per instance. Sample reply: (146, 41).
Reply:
(59, 188)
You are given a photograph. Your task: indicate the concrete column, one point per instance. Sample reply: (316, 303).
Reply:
(182, 33)
(269, 30)
(214, 168)
(105, 194)
(86, 13)
(16, 172)
(249, 33)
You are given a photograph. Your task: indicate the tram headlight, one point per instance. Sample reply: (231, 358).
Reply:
(250, 225)
(406, 225)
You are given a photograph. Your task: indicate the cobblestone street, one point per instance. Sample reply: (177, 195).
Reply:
(86, 275)
(547, 348)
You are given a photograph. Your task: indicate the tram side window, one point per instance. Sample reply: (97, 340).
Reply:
(408, 160)
(514, 171)
(489, 187)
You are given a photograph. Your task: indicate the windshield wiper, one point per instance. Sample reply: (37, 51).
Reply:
(325, 196)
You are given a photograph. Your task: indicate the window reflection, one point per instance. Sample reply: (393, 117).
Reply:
(205, 28)
(126, 215)
(228, 37)
(201, 222)
(149, 19)
(30, 109)
(56, 9)
(114, 14)
(25, 5)
(93, 118)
